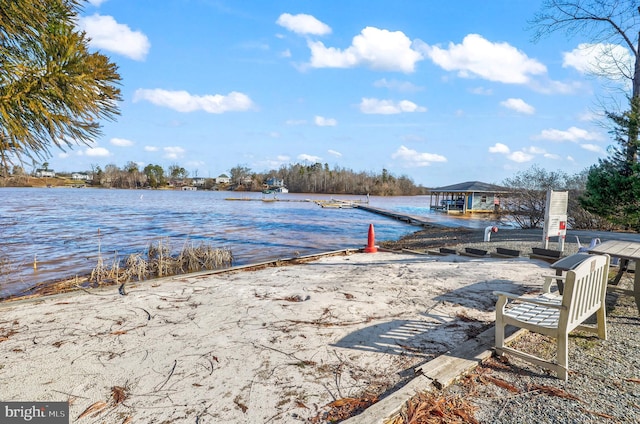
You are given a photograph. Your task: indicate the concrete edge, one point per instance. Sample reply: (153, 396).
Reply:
(435, 374)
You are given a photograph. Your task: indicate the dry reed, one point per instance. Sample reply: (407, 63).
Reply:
(159, 262)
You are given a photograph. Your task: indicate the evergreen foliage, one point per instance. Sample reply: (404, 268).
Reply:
(53, 91)
(613, 185)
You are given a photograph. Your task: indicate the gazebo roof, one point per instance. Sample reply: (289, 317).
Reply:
(471, 187)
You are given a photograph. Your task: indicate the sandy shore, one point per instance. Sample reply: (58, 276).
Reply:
(279, 345)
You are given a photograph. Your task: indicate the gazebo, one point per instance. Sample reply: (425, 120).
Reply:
(467, 197)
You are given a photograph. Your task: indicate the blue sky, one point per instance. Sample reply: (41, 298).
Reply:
(442, 92)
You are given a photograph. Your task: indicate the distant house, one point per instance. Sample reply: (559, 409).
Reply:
(77, 176)
(273, 182)
(198, 181)
(45, 173)
(467, 197)
(223, 179)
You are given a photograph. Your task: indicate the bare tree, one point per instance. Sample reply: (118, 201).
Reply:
(614, 25)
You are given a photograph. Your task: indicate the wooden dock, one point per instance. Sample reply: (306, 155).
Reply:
(347, 204)
(409, 219)
(265, 199)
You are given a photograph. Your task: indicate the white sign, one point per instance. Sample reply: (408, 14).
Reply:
(555, 217)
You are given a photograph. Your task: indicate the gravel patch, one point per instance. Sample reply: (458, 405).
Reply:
(604, 378)
(603, 384)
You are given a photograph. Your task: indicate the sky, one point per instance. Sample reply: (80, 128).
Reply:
(441, 92)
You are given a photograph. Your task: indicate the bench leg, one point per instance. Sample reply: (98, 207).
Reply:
(499, 325)
(563, 361)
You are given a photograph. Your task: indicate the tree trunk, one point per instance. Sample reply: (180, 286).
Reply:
(632, 140)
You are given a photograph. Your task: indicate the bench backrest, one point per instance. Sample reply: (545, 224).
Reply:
(584, 291)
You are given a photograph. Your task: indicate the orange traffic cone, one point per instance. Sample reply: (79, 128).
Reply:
(371, 248)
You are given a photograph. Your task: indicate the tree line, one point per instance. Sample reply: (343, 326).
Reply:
(298, 178)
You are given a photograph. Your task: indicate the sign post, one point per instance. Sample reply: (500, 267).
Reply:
(555, 218)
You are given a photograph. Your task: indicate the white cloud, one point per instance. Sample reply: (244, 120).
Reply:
(518, 105)
(182, 101)
(150, 149)
(303, 24)
(401, 86)
(546, 86)
(589, 116)
(378, 49)
(592, 148)
(520, 157)
(100, 152)
(388, 107)
(121, 142)
(107, 34)
(173, 152)
(573, 134)
(96, 3)
(412, 158)
(478, 57)
(499, 148)
(482, 91)
(321, 121)
(334, 153)
(534, 150)
(599, 59)
(285, 53)
(309, 158)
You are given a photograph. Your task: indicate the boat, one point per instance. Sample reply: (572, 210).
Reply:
(267, 191)
(281, 190)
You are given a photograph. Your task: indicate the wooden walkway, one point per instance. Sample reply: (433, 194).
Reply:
(343, 203)
(409, 219)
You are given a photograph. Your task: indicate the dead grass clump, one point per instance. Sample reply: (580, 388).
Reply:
(159, 262)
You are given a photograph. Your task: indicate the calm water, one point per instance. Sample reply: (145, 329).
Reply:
(64, 228)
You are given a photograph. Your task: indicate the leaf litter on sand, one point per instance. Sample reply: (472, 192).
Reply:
(433, 408)
(341, 409)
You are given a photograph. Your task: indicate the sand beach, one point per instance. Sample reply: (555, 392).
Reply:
(279, 344)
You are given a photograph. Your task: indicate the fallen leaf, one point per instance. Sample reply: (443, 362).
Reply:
(96, 407)
(119, 394)
(240, 405)
(553, 391)
(599, 414)
(501, 383)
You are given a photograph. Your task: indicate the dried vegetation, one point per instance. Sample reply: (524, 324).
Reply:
(159, 262)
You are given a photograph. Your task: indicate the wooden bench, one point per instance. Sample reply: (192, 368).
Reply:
(557, 315)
